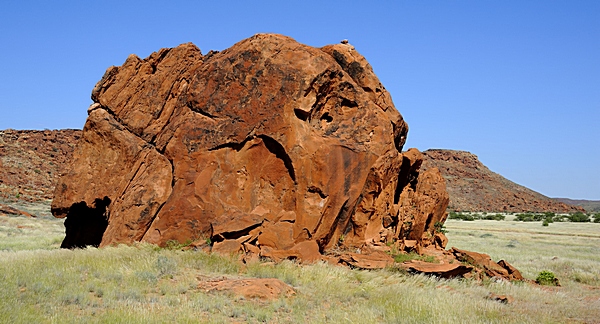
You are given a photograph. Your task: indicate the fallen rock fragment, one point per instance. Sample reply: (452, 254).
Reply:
(8, 210)
(445, 270)
(305, 252)
(484, 262)
(505, 299)
(253, 288)
(367, 261)
(228, 247)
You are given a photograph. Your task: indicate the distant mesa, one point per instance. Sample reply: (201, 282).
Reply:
(473, 187)
(588, 205)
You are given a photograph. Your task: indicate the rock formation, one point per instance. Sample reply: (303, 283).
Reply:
(270, 147)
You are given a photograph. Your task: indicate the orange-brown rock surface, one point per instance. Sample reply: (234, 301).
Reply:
(258, 148)
(8, 210)
(484, 263)
(31, 162)
(252, 288)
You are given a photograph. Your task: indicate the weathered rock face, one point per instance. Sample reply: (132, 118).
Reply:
(259, 148)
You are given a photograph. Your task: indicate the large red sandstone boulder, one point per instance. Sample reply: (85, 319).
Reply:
(257, 148)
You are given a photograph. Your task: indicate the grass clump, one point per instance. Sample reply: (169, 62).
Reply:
(413, 256)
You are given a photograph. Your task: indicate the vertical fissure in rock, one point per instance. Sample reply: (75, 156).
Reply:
(428, 222)
(407, 175)
(85, 225)
(276, 148)
(152, 220)
(341, 221)
(400, 132)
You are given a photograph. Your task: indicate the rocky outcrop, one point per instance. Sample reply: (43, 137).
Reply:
(473, 187)
(270, 147)
(31, 162)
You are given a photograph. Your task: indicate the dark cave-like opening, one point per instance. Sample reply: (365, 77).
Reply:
(85, 225)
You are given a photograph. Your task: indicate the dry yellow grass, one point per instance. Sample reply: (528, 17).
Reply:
(146, 284)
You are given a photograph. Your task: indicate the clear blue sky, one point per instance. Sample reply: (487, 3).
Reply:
(515, 82)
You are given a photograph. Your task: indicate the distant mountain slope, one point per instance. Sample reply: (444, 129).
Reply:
(473, 187)
(31, 162)
(588, 205)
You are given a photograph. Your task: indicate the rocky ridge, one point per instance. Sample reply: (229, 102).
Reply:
(473, 187)
(588, 205)
(31, 162)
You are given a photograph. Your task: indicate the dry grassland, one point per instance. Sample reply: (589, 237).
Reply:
(41, 283)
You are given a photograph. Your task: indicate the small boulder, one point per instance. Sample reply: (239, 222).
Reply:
(252, 288)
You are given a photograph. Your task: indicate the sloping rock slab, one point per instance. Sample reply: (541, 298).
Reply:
(442, 270)
(367, 261)
(8, 210)
(253, 288)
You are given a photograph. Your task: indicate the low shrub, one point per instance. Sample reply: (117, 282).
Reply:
(440, 228)
(496, 217)
(547, 278)
(528, 217)
(461, 216)
(579, 217)
(404, 257)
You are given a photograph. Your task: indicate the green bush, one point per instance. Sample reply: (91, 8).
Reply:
(528, 217)
(579, 217)
(404, 257)
(461, 216)
(597, 218)
(547, 278)
(561, 218)
(440, 228)
(496, 217)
